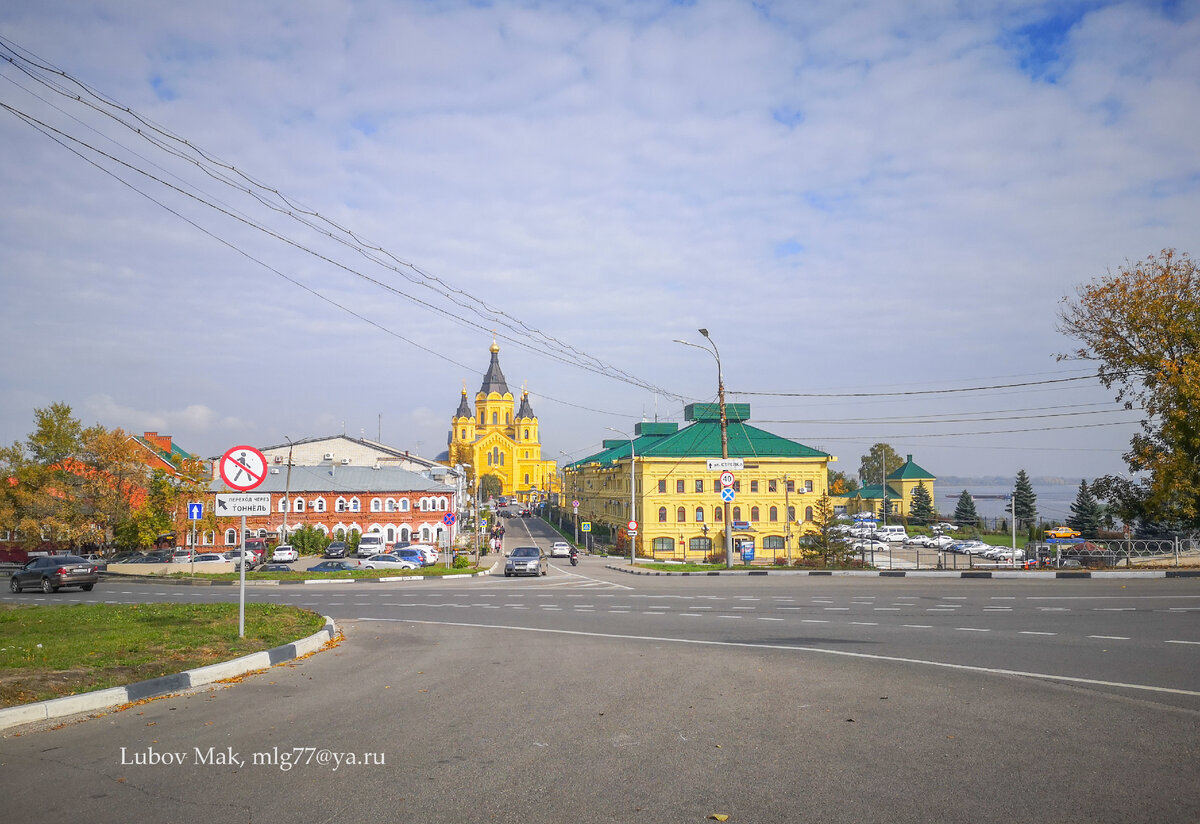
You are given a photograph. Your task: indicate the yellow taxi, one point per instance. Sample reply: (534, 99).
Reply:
(1062, 532)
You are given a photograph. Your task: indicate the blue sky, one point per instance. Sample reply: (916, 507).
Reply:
(853, 198)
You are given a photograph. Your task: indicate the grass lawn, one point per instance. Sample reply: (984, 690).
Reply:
(51, 651)
(303, 575)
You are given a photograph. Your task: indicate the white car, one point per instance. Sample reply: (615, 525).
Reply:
(560, 549)
(428, 553)
(871, 546)
(210, 558)
(235, 556)
(284, 554)
(385, 562)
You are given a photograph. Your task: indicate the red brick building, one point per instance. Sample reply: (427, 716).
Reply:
(393, 503)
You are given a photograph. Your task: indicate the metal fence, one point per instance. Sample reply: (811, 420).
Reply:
(1124, 553)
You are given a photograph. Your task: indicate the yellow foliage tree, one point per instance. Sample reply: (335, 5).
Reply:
(1142, 326)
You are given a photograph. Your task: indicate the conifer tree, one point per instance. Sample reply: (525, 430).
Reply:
(921, 510)
(1086, 513)
(964, 513)
(1024, 499)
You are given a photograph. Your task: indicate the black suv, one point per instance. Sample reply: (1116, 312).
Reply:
(336, 549)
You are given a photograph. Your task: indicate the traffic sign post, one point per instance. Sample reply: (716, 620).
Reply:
(243, 468)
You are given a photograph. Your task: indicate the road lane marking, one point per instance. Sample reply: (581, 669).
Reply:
(1197, 643)
(863, 624)
(918, 626)
(813, 621)
(1110, 637)
(971, 629)
(895, 659)
(760, 618)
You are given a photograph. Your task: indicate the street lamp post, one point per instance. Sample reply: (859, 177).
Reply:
(724, 435)
(287, 493)
(632, 492)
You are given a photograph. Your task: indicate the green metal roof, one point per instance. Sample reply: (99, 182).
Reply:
(873, 492)
(703, 440)
(909, 471)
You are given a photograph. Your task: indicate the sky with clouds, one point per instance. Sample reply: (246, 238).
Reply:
(265, 219)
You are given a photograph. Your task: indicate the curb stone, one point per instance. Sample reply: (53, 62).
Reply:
(933, 573)
(167, 684)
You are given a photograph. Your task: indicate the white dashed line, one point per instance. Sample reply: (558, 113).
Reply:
(971, 629)
(1031, 632)
(919, 626)
(1196, 643)
(1110, 637)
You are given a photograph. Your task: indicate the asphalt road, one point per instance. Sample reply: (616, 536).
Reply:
(591, 695)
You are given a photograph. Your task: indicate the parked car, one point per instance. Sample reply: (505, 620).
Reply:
(411, 553)
(50, 572)
(210, 558)
(369, 545)
(179, 556)
(284, 554)
(870, 546)
(235, 555)
(560, 549)
(386, 562)
(274, 568)
(258, 546)
(95, 560)
(332, 566)
(526, 560)
(428, 553)
(1061, 532)
(336, 549)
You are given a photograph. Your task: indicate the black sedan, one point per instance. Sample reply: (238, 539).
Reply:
(53, 571)
(336, 549)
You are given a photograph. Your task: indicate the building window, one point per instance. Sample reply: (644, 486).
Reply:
(391, 534)
(283, 507)
(298, 505)
(404, 505)
(718, 513)
(526, 454)
(354, 504)
(663, 545)
(772, 542)
(463, 436)
(717, 485)
(773, 514)
(681, 515)
(319, 505)
(791, 486)
(737, 513)
(772, 486)
(662, 485)
(340, 506)
(508, 417)
(808, 513)
(526, 438)
(481, 417)
(231, 538)
(376, 505)
(808, 486)
(737, 486)
(754, 513)
(210, 537)
(495, 418)
(699, 514)
(754, 486)
(526, 479)
(389, 505)
(700, 545)
(699, 485)
(679, 486)
(791, 513)
(662, 514)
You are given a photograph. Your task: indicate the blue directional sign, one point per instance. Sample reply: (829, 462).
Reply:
(195, 511)
(727, 494)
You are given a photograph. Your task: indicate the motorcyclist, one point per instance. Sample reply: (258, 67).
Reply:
(574, 555)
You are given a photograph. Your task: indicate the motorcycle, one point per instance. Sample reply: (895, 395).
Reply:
(574, 559)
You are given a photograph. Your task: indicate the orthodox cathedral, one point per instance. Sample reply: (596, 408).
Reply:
(495, 441)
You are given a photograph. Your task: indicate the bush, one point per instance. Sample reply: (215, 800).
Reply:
(781, 561)
(461, 561)
(717, 556)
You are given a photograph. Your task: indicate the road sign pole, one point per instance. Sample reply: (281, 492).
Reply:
(242, 586)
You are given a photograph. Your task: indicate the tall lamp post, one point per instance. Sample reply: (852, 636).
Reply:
(287, 492)
(632, 492)
(724, 434)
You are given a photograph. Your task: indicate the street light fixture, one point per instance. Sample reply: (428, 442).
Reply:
(632, 492)
(724, 433)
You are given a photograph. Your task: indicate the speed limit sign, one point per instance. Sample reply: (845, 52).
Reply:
(727, 478)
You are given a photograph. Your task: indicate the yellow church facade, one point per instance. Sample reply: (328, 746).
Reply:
(500, 440)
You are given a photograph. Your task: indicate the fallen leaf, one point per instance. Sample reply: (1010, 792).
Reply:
(719, 817)
(851, 720)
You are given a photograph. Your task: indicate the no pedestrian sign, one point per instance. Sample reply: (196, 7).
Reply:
(243, 468)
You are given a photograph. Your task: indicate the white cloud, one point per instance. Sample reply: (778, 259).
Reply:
(614, 174)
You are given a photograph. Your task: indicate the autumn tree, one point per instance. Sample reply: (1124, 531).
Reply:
(1142, 327)
(839, 484)
(878, 464)
(490, 486)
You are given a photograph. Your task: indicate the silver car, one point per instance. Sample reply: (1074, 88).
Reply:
(526, 560)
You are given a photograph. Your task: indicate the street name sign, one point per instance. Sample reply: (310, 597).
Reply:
(230, 505)
(715, 464)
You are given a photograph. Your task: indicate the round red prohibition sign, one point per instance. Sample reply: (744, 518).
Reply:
(243, 468)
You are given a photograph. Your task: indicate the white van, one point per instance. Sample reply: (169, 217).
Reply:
(370, 544)
(891, 532)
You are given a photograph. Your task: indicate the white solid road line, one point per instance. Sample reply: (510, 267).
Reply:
(1068, 679)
